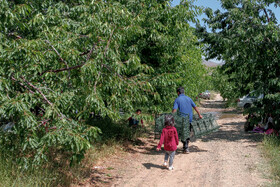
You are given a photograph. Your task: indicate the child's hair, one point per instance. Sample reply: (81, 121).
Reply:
(169, 120)
(138, 110)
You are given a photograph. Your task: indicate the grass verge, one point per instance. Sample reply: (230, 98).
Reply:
(271, 149)
(11, 175)
(112, 140)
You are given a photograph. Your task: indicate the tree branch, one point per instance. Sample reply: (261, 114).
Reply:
(104, 54)
(13, 78)
(58, 54)
(110, 69)
(266, 14)
(84, 53)
(95, 84)
(38, 90)
(61, 59)
(63, 69)
(13, 34)
(90, 52)
(109, 41)
(73, 67)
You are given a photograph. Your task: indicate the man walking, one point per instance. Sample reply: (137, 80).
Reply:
(185, 105)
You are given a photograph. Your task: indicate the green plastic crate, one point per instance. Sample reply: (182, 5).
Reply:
(199, 126)
(181, 124)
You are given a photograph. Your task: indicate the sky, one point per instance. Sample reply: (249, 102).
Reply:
(214, 5)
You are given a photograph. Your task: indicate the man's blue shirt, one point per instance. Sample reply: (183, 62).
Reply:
(185, 105)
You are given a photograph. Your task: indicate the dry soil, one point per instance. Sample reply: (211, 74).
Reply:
(228, 157)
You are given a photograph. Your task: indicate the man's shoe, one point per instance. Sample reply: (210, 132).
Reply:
(171, 168)
(186, 151)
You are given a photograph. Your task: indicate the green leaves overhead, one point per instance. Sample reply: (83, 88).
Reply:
(61, 61)
(246, 36)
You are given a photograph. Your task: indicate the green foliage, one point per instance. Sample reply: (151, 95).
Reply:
(117, 131)
(246, 36)
(271, 147)
(226, 88)
(62, 60)
(115, 137)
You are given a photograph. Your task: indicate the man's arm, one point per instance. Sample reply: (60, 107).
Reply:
(175, 106)
(200, 116)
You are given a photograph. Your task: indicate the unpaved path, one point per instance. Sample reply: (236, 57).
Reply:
(228, 157)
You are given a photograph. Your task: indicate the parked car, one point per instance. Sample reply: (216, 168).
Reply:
(247, 100)
(205, 95)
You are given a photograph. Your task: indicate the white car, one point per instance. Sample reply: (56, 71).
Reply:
(247, 100)
(205, 95)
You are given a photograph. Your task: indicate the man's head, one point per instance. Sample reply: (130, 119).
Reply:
(180, 90)
(138, 111)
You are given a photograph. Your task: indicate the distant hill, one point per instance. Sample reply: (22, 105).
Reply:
(211, 64)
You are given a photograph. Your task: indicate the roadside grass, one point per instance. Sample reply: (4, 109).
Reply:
(271, 150)
(62, 175)
(11, 175)
(113, 139)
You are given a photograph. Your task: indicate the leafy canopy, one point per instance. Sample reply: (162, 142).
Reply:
(246, 36)
(61, 61)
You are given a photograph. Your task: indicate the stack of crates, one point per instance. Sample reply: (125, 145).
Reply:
(205, 125)
(199, 126)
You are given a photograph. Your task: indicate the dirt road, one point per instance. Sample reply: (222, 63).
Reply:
(228, 157)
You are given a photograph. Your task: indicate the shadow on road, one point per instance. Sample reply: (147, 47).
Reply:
(151, 165)
(193, 149)
(232, 132)
(229, 131)
(100, 177)
(213, 104)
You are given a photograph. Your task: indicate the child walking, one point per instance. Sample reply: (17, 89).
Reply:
(169, 137)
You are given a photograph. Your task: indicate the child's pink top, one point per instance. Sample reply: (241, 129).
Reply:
(169, 137)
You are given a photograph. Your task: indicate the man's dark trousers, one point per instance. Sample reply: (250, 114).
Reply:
(187, 141)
